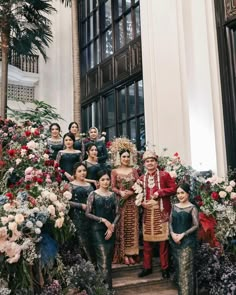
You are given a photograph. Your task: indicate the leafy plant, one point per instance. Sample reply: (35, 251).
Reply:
(41, 112)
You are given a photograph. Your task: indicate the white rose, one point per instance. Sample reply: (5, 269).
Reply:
(12, 226)
(59, 222)
(46, 157)
(29, 224)
(7, 207)
(19, 218)
(32, 129)
(4, 220)
(45, 194)
(23, 152)
(59, 205)
(67, 195)
(222, 194)
(51, 210)
(35, 209)
(39, 223)
(11, 169)
(37, 231)
(173, 174)
(138, 202)
(31, 156)
(14, 259)
(52, 197)
(232, 183)
(3, 232)
(11, 217)
(233, 196)
(18, 161)
(32, 145)
(229, 189)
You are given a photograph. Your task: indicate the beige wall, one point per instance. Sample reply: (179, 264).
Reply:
(56, 84)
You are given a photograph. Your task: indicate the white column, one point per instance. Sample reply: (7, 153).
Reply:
(182, 95)
(166, 111)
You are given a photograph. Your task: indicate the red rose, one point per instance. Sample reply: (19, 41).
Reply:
(24, 147)
(108, 144)
(36, 132)
(200, 203)
(176, 154)
(198, 198)
(35, 178)
(27, 186)
(11, 153)
(39, 180)
(215, 196)
(56, 165)
(9, 195)
(27, 133)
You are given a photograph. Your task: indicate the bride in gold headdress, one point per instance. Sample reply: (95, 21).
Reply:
(123, 176)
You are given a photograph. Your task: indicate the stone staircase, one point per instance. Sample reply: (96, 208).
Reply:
(127, 282)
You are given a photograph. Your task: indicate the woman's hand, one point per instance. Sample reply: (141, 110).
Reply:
(177, 237)
(108, 234)
(107, 223)
(146, 205)
(84, 207)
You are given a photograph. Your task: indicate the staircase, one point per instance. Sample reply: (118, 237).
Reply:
(126, 281)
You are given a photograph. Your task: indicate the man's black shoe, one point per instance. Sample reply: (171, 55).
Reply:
(145, 272)
(165, 273)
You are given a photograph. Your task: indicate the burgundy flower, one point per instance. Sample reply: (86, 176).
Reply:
(215, 196)
(36, 132)
(9, 195)
(27, 133)
(11, 153)
(39, 180)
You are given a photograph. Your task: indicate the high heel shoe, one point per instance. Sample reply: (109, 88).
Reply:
(131, 260)
(126, 260)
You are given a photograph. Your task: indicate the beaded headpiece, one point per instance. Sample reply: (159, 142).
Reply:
(122, 144)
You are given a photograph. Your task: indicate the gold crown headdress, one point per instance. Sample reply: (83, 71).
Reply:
(119, 144)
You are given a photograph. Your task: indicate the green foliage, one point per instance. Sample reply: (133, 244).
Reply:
(40, 113)
(27, 25)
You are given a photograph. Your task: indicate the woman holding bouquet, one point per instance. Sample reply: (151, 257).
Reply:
(80, 191)
(122, 180)
(183, 226)
(103, 210)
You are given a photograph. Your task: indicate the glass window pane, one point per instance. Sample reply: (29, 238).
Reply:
(109, 110)
(96, 23)
(131, 100)
(108, 13)
(83, 61)
(141, 128)
(91, 55)
(120, 34)
(84, 33)
(107, 43)
(132, 130)
(121, 105)
(129, 29)
(96, 52)
(90, 5)
(84, 8)
(111, 133)
(137, 18)
(91, 26)
(140, 97)
(127, 4)
(118, 8)
(122, 129)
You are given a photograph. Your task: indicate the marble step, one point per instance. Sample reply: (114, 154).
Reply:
(126, 281)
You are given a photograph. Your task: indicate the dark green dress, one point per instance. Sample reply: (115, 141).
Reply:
(106, 207)
(184, 220)
(54, 146)
(81, 222)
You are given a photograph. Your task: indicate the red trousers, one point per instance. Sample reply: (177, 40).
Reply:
(163, 253)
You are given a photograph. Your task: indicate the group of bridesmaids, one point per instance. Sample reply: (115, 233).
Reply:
(96, 192)
(103, 204)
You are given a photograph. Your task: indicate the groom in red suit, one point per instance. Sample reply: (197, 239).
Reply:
(158, 186)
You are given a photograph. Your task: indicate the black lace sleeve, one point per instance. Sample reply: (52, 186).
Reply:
(76, 205)
(117, 213)
(170, 221)
(195, 225)
(89, 209)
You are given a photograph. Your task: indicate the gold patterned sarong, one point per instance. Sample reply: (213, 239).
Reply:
(155, 229)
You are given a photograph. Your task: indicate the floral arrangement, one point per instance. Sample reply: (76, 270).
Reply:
(34, 205)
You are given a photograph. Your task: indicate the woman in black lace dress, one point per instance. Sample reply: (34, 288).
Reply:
(183, 239)
(74, 129)
(55, 141)
(67, 158)
(103, 210)
(80, 191)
